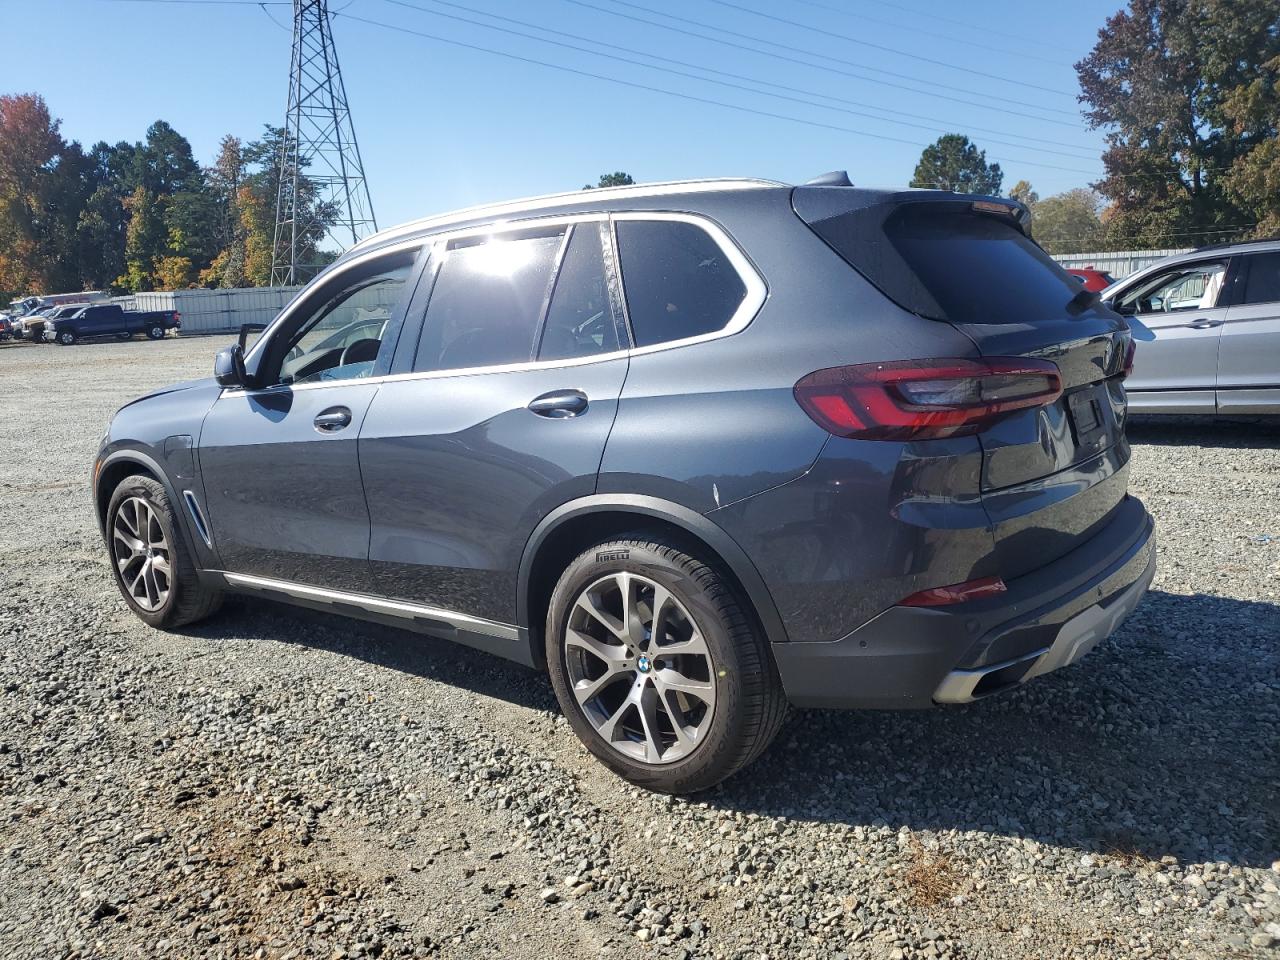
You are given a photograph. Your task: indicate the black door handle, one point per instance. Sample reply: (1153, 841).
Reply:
(1204, 324)
(559, 404)
(333, 419)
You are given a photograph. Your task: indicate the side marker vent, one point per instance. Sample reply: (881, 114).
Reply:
(197, 517)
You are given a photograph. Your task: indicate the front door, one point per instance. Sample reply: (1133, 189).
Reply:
(279, 463)
(1177, 371)
(502, 416)
(1249, 357)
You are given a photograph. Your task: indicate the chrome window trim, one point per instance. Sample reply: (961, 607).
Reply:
(754, 297)
(395, 608)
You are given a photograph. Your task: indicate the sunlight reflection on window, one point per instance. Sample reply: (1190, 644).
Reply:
(501, 258)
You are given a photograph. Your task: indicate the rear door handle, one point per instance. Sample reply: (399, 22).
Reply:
(1204, 324)
(333, 419)
(559, 404)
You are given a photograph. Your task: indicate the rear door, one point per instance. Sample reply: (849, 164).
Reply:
(1184, 308)
(1249, 354)
(500, 413)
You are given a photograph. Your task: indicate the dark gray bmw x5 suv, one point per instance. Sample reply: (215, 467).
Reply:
(698, 450)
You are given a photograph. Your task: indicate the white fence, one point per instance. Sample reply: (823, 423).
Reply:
(222, 311)
(1118, 263)
(217, 311)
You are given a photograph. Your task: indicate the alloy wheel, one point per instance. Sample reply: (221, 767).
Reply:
(142, 553)
(640, 668)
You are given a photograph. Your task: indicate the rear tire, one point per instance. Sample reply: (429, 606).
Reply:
(684, 709)
(149, 557)
(155, 333)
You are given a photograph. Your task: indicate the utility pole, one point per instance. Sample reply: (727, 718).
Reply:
(322, 187)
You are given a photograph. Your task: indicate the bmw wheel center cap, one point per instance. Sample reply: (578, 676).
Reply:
(643, 664)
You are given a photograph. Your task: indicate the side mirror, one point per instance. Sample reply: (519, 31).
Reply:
(228, 366)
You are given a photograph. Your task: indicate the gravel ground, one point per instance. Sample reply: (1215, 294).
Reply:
(277, 783)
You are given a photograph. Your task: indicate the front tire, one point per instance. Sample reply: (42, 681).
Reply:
(677, 709)
(66, 337)
(150, 560)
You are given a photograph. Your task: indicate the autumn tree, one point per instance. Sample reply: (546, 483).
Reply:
(954, 163)
(1024, 194)
(30, 147)
(1069, 222)
(1186, 91)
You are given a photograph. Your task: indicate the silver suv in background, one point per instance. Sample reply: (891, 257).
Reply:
(1214, 316)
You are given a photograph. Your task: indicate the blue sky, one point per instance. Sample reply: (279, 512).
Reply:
(443, 126)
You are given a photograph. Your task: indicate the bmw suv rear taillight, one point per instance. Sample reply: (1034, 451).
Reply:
(925, 399)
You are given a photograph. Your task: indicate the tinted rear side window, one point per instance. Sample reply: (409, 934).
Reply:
(487, 301)
(678, 282)
(945, 262)
(1263, 285)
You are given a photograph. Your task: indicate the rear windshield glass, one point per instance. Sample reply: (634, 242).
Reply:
(955, 265)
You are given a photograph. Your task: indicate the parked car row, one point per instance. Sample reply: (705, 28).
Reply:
(72, 323)
(108, 320)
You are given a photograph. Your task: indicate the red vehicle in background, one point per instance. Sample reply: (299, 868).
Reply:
(1092, 279)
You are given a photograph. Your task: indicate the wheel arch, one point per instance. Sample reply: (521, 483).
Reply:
(573, 527)
(118, 465)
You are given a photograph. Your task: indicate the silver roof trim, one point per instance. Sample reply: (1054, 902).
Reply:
(635, 191)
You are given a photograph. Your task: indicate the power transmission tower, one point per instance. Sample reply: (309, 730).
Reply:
(322, 186)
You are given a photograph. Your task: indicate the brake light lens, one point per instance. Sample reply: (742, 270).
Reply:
(955, 593)
(925, 399)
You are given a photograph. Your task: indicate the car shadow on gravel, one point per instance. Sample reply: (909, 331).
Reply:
(384, 646)
(1163, 741)
(1164, 431)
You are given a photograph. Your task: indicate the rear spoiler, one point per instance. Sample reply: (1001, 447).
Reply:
(817, 203)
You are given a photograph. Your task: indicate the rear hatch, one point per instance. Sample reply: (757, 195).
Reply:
(1051, 475)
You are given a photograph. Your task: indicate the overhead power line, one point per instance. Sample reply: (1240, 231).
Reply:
(680, 95)
(932, 89)
(875, 46)
(806, 100)
(935, 17)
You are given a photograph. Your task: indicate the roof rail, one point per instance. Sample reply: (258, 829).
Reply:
(555, 199)
(1237, 243)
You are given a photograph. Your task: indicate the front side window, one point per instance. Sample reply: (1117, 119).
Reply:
(488, 300)
(1263, 285)
(678, 282)
(342, 338)
(1191, 287)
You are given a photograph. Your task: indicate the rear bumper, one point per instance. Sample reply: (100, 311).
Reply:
(914, 657)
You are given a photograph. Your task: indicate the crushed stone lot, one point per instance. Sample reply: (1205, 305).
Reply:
(281, 783)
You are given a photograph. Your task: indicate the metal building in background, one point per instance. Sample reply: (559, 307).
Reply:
(322, 186)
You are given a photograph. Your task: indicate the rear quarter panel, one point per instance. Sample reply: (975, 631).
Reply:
(712, 423)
